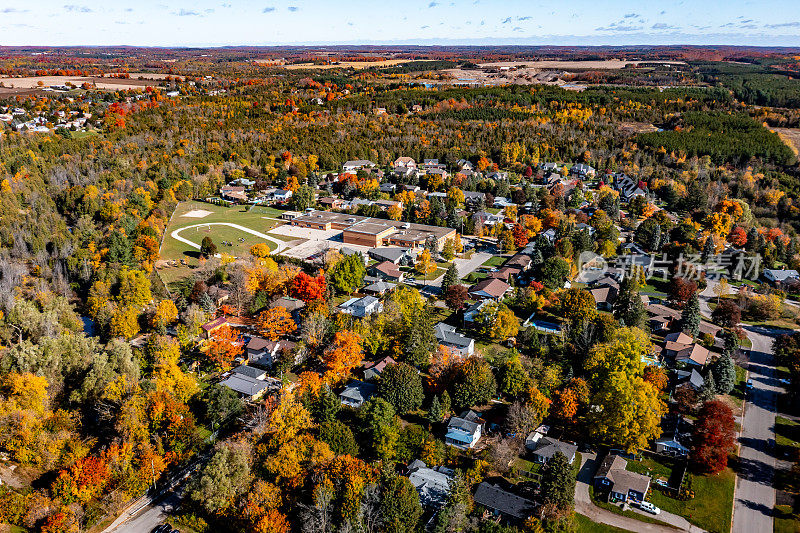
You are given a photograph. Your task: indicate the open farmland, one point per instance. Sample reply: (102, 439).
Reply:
(136, 80)
(349, 64)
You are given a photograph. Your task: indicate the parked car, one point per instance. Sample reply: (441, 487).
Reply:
(749, 384)
(785, 381)
(649, 507)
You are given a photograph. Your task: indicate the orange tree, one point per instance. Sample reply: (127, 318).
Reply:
(343, 356)
(223, 347)
(275, 323)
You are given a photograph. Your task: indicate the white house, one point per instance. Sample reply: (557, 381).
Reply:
(464, 431)
(361, 307)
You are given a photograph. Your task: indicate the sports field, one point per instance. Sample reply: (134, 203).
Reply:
(192, 221)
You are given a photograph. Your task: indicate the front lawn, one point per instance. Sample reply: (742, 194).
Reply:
(712, 505)
(494, 261)
(787, 433)
(601, 501)
(737, 394)
(784, 520)
(585, 525)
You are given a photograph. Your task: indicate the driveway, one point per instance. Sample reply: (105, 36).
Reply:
(584, 506)
(177, 234)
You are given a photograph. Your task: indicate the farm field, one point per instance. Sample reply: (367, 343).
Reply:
(349, 64)
(189, 219)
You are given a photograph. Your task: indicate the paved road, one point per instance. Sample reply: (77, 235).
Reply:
(177, 234)
(584, 506)
(149, 517)
(755, 493)
(754, 498)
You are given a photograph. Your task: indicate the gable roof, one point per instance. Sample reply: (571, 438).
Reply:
(388, 268)
(493, 497)
(679, 337)
(249, 371)
(358, 391)
(547, 448)
(447, 334)
(493, 287)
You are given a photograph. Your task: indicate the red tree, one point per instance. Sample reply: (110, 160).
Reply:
(308, 288)
(727, 314)
(681, 289)
(456, 296)
(520, 236)
(738, 236)
(714, 437)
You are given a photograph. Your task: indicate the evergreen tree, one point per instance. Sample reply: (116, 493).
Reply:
(709, 388)
(690, 317)
(724, 374)
(628, 307)
(446, 404)
(420, 343)
(558, 483)
(708, 250)
(325, 406)
(435, 412)
(450, 278)
(401, 386)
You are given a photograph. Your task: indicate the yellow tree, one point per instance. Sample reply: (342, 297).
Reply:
(425, 264)
(125, 323)
(165, 314)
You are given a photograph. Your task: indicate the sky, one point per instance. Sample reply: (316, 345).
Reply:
(425, 22)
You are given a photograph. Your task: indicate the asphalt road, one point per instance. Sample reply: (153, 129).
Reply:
(151, 516)
(755, 494)
(754, 498)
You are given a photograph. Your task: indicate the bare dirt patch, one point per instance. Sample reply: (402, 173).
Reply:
(791, 136)
(633, 128)
(197, 213)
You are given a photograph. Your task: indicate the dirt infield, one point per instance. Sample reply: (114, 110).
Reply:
(197, 213)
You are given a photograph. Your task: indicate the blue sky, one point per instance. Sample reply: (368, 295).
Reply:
(486, 22)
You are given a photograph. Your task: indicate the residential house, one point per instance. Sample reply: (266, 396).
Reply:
(622, 485)
(582, 171)
(374, 369)
(505, 273)
(550, 167)
(430, 164)
(676, 437)
(281, 195)
(463, 164)
(503, 503)
(691, 378)
(472, 311)
(777, 277)
(604, 296)
(210, 327)
(447, 335)
(330, 202)
(397, 256)
(388, 271)
(473, 198)
(361, 307)
(432, 484)
(295, 306)
(250, 383)
(682, 348)
(464, 431)
(264, 352)
(404, 162)
(356, 393)
(543, 448)
(233, 193)
(550, 235)
(520, 261)
(627, 187)
(491, 289)
(358, 164)
(379, 288)
(388, 188)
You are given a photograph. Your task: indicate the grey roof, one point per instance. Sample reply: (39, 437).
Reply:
(462, 424)
(547, 448)
(447, 334)
(493, 497)
(388, 254)
(432, 484)
(380, 286)
(782, 274)
(249, 371)
(358, 391)
(248, 386)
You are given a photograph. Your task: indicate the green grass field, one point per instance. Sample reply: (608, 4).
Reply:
(260, 219)
(787, 433)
